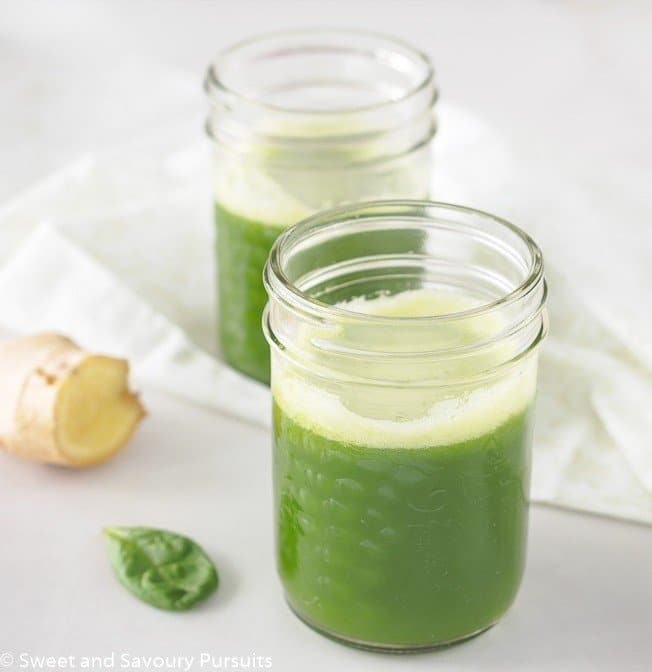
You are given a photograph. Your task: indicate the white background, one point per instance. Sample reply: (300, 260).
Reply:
(568, 83)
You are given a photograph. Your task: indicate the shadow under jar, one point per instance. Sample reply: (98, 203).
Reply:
(403, 383)
(302, 121)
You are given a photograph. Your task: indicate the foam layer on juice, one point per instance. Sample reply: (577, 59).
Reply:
(404, 417)
(259, 183)
(242, 188)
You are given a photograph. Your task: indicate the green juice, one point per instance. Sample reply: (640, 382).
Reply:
(401, 512)
(242, 249)
(401, 546)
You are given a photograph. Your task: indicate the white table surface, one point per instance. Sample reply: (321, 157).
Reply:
(564, 81)
(584, 604)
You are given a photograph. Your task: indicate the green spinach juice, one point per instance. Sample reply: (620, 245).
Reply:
(251, 210)
(303, 121)
(401, 546)
(402, 524)
(242, 246)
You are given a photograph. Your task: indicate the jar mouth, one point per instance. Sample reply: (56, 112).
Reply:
(279, 284)
(389, 52)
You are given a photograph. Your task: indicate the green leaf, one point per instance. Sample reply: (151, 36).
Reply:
(161, 568)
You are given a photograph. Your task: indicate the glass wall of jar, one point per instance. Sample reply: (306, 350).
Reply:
(404, 339)
(302, 121)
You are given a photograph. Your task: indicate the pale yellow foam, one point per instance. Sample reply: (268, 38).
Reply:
(362, 415)
(249, 183)
(412, 303)
(241, 187)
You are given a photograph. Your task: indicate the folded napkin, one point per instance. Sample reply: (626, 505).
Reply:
(116, 251)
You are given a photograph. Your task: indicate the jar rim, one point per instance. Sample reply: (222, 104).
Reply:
(214, 81)
(277, 281)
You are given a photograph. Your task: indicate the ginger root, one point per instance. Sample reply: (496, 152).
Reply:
(62, 405)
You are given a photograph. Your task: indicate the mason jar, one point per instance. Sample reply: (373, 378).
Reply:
(302, 121)
(404, 338)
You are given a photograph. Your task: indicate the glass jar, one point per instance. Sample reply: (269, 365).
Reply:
(302, 121)
(404, 339)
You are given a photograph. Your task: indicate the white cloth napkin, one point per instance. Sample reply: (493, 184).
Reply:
(117, 252)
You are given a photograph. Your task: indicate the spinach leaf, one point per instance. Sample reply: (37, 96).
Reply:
(161, 568)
